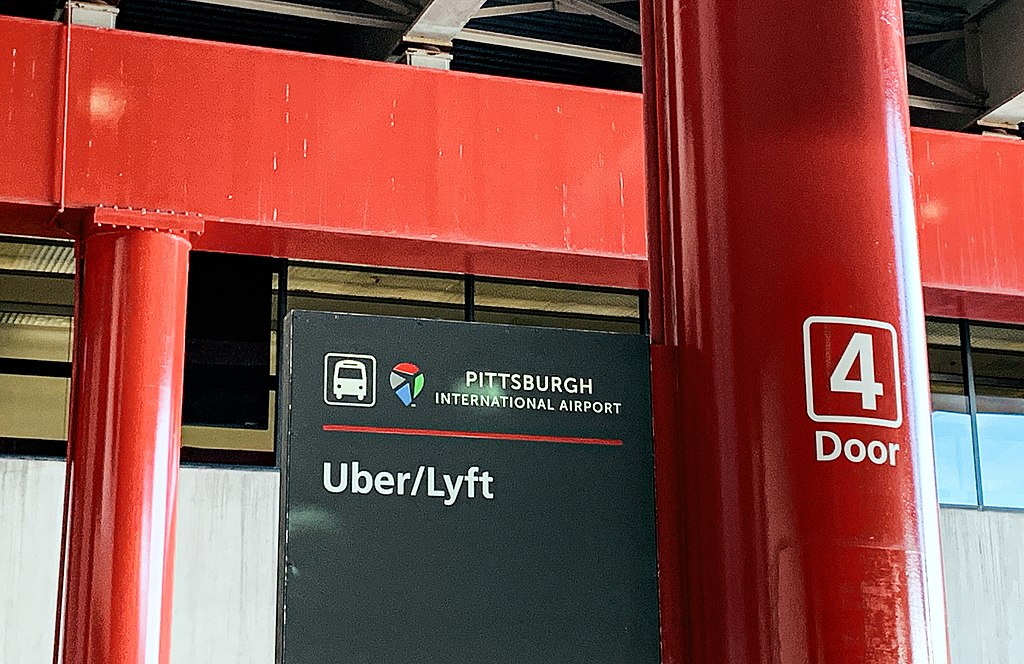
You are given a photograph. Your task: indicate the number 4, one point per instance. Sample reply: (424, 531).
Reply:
(861, 349)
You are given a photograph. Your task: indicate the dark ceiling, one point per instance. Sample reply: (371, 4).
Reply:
(205, 19)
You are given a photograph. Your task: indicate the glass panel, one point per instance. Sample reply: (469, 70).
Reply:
(34, 407)
(36, 297)
(542, 319)
(372, 284)
(549, 306)
(35, 337)
(51, 257)
(221, 438)
(316, 288)
(557, 299)
(999, 338)
(36, 302)
(954, 450)
(998, 359)
(951, 420)
(309, 302)
(944, 361)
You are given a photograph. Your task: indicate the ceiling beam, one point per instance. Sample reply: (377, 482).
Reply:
(947, 35)
(534, 7)
(932, 104)
(399, 7)
(943, 83)
(441, 20)
(599, 11)
(518, 8)
(306, 11)
(554, 48)
(573, 50)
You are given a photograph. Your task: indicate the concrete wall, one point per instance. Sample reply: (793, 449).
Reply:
(226, 563)
(983, 553)
(225, 590)
(31, 493)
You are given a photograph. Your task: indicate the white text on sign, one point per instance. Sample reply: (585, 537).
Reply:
(852, 376)
(831, 447)
(446, 486)
(851, 371)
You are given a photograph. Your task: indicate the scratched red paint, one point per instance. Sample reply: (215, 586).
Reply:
(352, 161)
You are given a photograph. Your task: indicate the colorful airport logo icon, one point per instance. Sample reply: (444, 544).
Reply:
(407, 382)
(350, 380)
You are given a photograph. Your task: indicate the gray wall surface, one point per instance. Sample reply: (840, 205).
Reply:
(226, 569)
(983, 553)
(31, 494)
(225, 589)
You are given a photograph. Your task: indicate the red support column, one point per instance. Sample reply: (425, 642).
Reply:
(125, 438)
(797, 506)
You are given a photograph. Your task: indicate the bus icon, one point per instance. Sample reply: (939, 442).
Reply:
(350, 380)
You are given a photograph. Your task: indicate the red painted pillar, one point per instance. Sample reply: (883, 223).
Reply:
(797, 505)
(125, 438)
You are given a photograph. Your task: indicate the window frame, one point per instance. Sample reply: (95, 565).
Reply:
(271, 459)
(970, 392)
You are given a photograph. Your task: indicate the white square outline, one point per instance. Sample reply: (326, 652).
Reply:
(809, 374)
(373, 364)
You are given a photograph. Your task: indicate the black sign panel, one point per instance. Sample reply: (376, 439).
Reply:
(465, 493)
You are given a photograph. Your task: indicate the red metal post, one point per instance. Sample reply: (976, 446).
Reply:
(125, 436)
(797, 506)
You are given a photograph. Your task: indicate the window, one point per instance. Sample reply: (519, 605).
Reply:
(951, 419)
(36, 280)
(998, 359)
(321, 287)
(977, 384)
(554, 306)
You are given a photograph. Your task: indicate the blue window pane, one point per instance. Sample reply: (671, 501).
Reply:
(1001, 440)
(954, 458)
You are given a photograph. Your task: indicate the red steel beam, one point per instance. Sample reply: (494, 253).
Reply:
(402, 167)
(970, 218)
(331, 159)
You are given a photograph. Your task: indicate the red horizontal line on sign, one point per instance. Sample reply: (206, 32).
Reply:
(472, 434)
